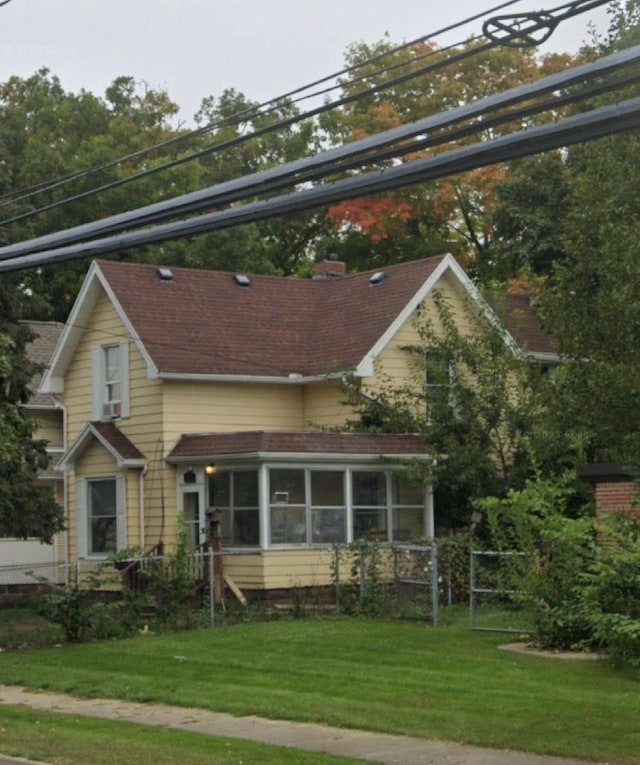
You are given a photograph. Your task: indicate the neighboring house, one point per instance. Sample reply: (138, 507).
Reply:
(615, 488)
(188, 391)
(45, 409)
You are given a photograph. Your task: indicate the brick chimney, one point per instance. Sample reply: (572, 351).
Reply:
(329, 269)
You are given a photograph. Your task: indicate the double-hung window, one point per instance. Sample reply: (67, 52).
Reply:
(100, 516)
(439, 378)
(110, 379)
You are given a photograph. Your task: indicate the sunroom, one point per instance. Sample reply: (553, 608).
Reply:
(275, 491)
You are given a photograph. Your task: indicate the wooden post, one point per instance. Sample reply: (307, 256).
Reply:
(215, 545)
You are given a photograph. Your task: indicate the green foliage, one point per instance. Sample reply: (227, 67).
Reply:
(450, 215)
(358, 579)
(476, 413)
(531, 202)
(74, 607)
(453, 567)
(171, 583)
(27, 509)
(556, 550)
(21, 626)
(611, 590)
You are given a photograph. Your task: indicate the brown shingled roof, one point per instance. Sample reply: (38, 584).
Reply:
(118, 441)
(202, 322)
(209, 445)
(521, 320)
(40, 350)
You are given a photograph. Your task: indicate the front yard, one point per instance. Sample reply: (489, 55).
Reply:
(446, 683)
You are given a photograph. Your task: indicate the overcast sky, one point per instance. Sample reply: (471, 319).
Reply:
(196, 48)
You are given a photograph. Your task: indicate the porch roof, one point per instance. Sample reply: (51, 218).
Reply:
(114, 441)
(261, 444)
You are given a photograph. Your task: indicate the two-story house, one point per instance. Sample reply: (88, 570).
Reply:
(188, 390)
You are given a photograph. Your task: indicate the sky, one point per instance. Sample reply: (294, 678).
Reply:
(198, 48)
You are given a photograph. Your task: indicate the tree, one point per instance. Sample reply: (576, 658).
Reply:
(47, 133)
(26, 509)
(592, 300)
(526, 220)
(277, 246)
(450, 215)
(472, 397)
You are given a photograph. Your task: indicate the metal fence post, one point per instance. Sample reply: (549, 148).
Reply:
(211, 603)
(435, 585)
(212, 590)
(336, 551)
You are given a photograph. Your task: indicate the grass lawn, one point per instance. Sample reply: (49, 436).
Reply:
(65, 739)
(446, 683)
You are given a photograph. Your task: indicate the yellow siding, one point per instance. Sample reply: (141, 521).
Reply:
(96, 462)
(394, 361)
(143, 427)
(323, 405)
(50, 426)
(280, 569)
(201, 407)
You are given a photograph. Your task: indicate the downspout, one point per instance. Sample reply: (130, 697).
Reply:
(141, 478)
(65, 484)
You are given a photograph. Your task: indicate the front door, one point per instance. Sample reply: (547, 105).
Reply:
(193, 514)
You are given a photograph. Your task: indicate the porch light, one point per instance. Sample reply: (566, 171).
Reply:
(210, 468)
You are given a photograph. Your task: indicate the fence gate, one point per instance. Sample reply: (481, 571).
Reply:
(497, 602)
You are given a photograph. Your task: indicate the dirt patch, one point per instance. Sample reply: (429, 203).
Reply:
(528, 648)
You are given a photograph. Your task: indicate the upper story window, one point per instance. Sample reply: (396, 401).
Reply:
(110, 381)
(440, 371)
(112, 376)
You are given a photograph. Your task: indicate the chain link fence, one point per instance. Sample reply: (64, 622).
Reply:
(366, 578)
(497, 602)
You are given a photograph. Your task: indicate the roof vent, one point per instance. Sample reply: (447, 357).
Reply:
(242, 280)
(165, 274)
(377, 278)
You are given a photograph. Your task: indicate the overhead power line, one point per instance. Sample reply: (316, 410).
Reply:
(583, 127)
(389, 144)
(524, 30)
(252, 111)
(276, 126)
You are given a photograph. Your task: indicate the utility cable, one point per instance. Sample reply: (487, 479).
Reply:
(275, 103)
(237, 140)
(368, 150)
(527, 26)
(604, 121)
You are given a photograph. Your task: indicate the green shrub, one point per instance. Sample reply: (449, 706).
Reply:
(556, 549)
(611, 590)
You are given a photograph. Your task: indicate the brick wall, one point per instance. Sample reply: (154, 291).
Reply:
(616, 497)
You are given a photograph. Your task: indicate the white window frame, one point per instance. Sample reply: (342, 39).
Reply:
(436, 386)
(388, 508)
(83, 508)
(195, 486)
(103, 407)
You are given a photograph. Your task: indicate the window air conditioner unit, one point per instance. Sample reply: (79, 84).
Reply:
(111, 410)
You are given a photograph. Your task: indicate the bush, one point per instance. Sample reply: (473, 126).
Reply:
(557, 551)
(611, 590)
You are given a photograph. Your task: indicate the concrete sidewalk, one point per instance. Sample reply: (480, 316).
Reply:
(376, 747)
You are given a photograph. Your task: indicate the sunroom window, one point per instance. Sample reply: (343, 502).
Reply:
(235, 494)
(287, 508)
(328, 510)
(369, 504)
(408, 503)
